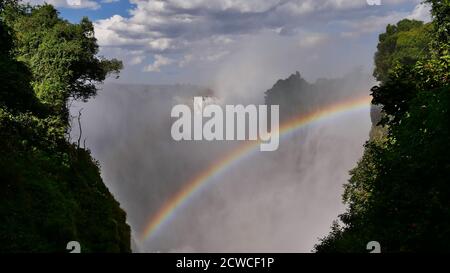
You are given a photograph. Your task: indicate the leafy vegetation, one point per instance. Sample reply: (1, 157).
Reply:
(404, 43)
(51, 191)
(398, 194)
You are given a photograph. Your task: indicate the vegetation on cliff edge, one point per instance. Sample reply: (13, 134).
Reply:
(51, 191)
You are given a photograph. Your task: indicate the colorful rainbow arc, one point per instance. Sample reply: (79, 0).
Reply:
(199, 182)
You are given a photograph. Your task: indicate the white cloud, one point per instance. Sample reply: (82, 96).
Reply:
(313, 6)
(237, 5)
(312, 40)
(175, 25)
(378, 23)
(205, 33)
(421, 12)
(73, 4)
(117, 31)
(159, 62)
(217, 56)
(160, 44)
(137, 59)
(186, 60)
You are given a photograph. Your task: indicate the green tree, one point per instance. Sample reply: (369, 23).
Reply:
(398, 194)
(51, 191)
(15, 90)
(404, 43)
(61, 56)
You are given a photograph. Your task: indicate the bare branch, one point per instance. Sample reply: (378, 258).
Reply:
(79, 127)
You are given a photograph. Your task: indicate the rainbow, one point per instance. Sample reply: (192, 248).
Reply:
(205, 178)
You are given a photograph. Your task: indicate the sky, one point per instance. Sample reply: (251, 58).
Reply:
(250, 43)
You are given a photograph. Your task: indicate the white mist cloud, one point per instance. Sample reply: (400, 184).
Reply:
(421, 12)
(270, 202)
(312, 40)
(159, 62)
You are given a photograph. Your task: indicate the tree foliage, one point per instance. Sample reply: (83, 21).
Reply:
(404, 43)
(398, 193)
(51, 191)
(61, 56)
